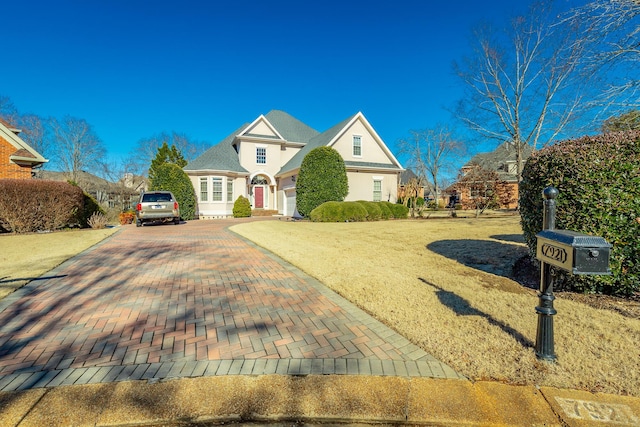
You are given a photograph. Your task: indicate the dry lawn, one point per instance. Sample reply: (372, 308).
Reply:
(25, 257)
(442, 284)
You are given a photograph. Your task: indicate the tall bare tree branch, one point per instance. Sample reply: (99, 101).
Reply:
(430, 152)
(78, 147)
(523, 85)
(612, 30)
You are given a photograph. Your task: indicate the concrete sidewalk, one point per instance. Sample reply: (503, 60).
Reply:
(313, 399)
(193, 325)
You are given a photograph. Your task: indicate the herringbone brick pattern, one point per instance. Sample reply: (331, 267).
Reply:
(188, 300)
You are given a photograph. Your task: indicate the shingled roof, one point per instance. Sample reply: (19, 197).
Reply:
(223, 156)
(220, 157)
(290, 128)
(318, 141)
(496, 160)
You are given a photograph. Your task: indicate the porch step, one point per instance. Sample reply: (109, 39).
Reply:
(263, 212)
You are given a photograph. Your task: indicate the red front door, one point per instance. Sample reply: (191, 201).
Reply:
(258, 193)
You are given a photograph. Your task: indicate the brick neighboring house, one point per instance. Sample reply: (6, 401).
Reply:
(503, 161)
(17, 159)
(405, 177)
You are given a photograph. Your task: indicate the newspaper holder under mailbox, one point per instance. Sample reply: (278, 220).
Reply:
(574, 252)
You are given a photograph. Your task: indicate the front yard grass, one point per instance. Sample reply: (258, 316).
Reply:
(25, 257)
(444, 285)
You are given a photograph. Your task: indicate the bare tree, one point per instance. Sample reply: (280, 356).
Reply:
(8, 110)
(78, 147)
(35, 133)
(147, 148)
(32, 127)
(409, 195)
(612, 30)
(431, 152)
(523, 85)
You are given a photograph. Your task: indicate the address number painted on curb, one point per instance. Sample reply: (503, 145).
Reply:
(597, 411)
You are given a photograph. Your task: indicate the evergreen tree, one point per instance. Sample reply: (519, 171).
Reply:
(166, 155)
(171, 177)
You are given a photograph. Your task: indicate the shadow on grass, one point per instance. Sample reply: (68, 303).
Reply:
(485, 255)
(461, 307)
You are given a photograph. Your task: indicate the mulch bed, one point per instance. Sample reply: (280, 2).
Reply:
(527, 273)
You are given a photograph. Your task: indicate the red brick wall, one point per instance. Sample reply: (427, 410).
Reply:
(9, 169)
(467, 203)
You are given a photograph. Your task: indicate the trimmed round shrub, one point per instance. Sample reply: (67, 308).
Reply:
(327, 212)
(385, 212)
(399, 211)
(354, 212)
(598, 179)
(390, 207)
(322, 178)
(242, 207)
(171, 177)
(374, 213)
(339, 212)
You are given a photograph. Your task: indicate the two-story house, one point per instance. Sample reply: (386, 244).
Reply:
(17, 158)
(261, 160)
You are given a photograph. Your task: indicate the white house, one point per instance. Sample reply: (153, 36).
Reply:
(261, 160)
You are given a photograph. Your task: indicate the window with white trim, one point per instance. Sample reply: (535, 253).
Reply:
(377, 190)
(261, 155)
(216, 190)
(229, 190)
(357, 146)
(204, 189)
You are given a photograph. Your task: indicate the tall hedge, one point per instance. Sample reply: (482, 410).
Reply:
(599, 183)
(171, 177)
(29, 205)
(322, 178)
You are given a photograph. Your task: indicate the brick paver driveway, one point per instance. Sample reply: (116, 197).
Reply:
(190, 300)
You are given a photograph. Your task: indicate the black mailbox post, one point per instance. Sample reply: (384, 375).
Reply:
(571, 251)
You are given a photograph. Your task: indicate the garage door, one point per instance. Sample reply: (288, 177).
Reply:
(291, 203)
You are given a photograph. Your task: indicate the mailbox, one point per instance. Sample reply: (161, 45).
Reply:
(574, 252)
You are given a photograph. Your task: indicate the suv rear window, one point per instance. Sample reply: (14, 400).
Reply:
(156, 197)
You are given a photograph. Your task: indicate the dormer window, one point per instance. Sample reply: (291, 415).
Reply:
(357, 146)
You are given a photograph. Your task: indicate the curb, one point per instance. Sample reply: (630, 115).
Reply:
(337, 399)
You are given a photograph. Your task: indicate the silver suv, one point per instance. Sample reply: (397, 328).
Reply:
(157, 206)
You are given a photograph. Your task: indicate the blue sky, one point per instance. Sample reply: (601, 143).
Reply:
(133, 69)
